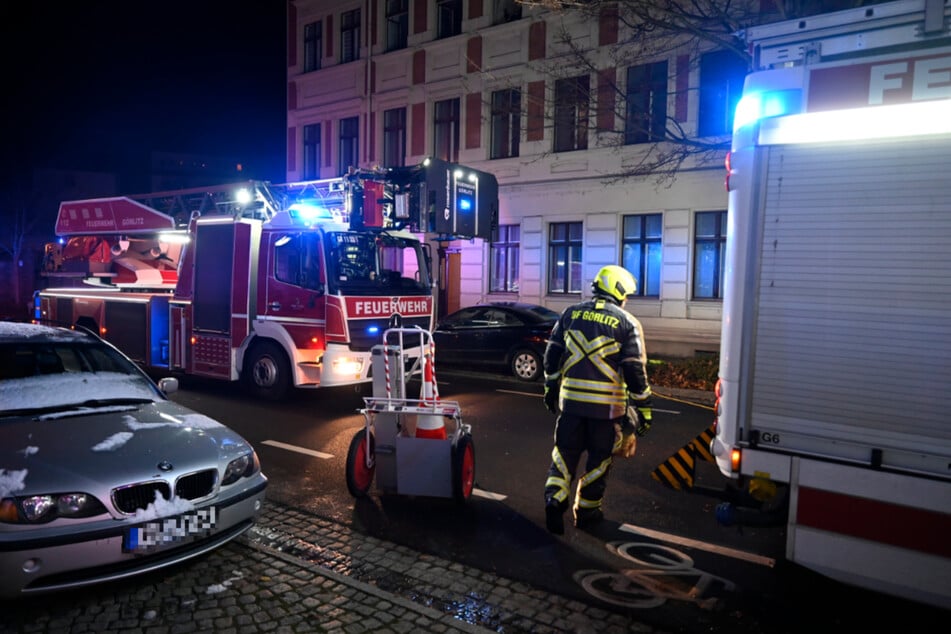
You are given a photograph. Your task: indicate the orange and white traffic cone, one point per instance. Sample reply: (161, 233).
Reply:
(429, 425)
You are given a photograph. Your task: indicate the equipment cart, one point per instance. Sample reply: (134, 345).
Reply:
(411, 446)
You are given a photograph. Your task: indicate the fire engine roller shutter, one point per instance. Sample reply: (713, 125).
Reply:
(214, 251)
(855, 291)
(127, 328)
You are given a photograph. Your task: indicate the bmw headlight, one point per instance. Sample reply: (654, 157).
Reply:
(35, 509)
(38, 506)
(240, 467)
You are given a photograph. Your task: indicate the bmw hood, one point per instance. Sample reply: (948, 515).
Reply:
(134, 443)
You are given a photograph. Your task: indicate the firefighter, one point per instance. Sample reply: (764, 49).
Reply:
(596, 375)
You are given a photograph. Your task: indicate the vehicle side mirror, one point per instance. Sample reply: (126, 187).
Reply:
(168, 385)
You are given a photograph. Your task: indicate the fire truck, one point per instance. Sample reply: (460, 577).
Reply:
(836, 338)
(279, 286)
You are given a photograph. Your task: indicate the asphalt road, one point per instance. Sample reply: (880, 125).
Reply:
(319, 560)
(718, 569)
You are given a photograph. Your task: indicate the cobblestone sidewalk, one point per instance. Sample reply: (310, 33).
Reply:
(295, 572)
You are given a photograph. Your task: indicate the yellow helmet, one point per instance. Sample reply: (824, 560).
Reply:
(615, 282)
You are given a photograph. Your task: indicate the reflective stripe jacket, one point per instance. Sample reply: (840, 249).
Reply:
(597, 352)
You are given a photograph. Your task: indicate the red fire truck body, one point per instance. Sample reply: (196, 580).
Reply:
(268, 289)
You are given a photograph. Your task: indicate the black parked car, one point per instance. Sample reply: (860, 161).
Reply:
(501, 334)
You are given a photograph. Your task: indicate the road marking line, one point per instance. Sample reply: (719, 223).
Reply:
(520, 393)
(684, 541)
(488, 494)
(303, 450)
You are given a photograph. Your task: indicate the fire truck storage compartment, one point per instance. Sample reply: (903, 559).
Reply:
(129, 336)
(844, 271)
(158, 332)
(64, 310)
(214, 253)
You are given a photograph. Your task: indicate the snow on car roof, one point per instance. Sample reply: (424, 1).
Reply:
(12, 330)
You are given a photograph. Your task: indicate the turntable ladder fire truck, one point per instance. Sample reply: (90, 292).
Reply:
(836, 337)
(279, 286)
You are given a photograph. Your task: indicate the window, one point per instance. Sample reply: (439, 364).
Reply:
(446, 130)
(646, 116)
(708, 255)
(311, 151)
(313, 46)
(394, 137)
(503, 259)
(571, 114)
(564, 257)
(297, 261)
(505, 11)
(640, 252)
(448, 18)
(721, 82)
(397, 24)
(348, 152)
(349, 36)
(506, 123)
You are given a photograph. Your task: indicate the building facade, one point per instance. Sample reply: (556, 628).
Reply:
(539, 99)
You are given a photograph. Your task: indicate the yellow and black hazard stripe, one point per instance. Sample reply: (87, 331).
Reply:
(701, 444)
(677, 471)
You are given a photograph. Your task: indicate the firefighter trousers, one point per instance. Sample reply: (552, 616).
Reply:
(575, 435)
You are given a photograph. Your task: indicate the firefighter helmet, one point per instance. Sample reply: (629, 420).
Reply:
(615, 282)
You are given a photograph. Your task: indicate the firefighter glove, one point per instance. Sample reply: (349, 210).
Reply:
(625, 442)
(644, 416)
(551, 396)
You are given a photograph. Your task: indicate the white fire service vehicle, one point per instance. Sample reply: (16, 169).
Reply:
(835, 360)
(279, 286)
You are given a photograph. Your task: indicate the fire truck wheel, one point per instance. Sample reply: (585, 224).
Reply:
(463, 469)
(361, 464)
(526, 365)
(267, 372)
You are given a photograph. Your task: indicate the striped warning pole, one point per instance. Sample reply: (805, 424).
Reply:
(678, 471)
(386, 370)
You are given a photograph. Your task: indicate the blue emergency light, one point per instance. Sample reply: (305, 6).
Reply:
(307, 211)
(463, 201)
(760, 105)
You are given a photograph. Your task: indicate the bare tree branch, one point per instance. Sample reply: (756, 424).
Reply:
(652, 31)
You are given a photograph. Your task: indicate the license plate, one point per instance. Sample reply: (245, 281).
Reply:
(169, 531)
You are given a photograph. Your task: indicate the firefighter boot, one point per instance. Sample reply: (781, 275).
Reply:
(586, 519)
(555, 519)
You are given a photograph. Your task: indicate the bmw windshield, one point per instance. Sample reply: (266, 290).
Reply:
(42, 375)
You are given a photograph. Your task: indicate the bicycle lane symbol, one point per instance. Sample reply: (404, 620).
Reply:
(662, 573)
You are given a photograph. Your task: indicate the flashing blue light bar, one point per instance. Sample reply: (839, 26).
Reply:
(309, 212)
(373, 330)
(760, 105)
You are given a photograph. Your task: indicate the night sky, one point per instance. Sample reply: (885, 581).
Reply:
(98, 85)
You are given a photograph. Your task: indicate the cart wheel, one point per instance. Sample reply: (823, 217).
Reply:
(361, 464)
(463, 469)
